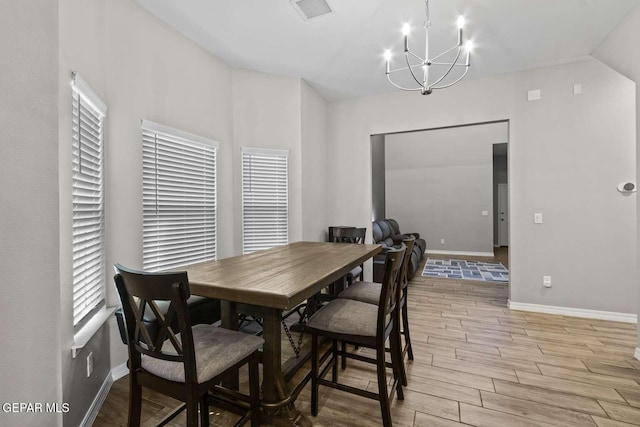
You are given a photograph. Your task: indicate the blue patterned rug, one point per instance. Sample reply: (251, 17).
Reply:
(466, 270)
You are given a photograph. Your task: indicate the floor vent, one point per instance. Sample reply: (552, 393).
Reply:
(310, 9)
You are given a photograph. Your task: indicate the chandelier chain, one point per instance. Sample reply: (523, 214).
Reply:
(427, 23)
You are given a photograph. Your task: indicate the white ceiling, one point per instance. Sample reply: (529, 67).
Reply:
(341, 54)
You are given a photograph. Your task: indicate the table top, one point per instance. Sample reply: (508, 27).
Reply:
(280, 277)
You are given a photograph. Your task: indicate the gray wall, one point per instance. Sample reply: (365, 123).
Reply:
(587, 139)
(82, 49)
(438, 183)
(29, 216)
(499, 177)
(616, 53)
(137, 65)
(267, 114)
(314, 164)
(378, 190)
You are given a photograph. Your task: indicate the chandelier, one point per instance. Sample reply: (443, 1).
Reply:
(422, 70)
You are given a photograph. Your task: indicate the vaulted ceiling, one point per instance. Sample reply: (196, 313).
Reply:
(341, 54)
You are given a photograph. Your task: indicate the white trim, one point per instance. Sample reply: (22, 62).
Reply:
(87, 93)
(177, 133)
(94, 409)
(265, 151)
(637, 353)
(574, 312)
(459, 253)
(119, 372)
(82, 337)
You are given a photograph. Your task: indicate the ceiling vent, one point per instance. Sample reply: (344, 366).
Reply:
(310, 9)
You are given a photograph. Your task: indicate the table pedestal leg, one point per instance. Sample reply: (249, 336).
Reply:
(274, 388)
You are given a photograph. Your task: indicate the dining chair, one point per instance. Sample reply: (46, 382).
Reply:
(186, 363)
(350, 235)
(341, 234)
(369, 292)
(365, 325)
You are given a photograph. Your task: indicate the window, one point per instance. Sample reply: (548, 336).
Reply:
(179, 197)
(265, 217)
(88, 118)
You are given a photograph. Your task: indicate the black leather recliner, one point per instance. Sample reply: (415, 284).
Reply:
(386, 232)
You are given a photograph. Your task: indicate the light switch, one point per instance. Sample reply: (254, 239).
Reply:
(537, 218)
(577, 89)
(534, 95)
(485, 213)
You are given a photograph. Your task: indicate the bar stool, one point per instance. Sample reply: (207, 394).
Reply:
(364, 325)
(187, 365)
(369, 292)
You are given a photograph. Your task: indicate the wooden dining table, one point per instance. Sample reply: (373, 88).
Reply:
(266, 283)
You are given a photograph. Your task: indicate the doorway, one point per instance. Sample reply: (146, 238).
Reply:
(500, 196)
(503, 215)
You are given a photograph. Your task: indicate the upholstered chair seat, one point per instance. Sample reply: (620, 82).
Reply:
(348, 317)
(216, 350)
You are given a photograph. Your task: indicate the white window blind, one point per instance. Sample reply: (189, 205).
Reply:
(179, 197)
(88, 119)
(265, 208)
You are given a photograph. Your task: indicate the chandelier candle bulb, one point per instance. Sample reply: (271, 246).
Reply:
(460, 27)
(387, 58)
(405, 32)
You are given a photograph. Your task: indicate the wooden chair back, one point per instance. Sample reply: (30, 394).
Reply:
(404, 273)
(139, 290)
(349, 235)
(389, 292)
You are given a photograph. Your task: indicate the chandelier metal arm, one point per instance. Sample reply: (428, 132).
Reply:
(458, 46)
(400, 87)
(405, 68)
(411, 69)
(422, 60)
(448, 64)
(452, 83)
(449, 70)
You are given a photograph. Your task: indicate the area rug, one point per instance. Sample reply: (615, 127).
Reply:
(466, 270)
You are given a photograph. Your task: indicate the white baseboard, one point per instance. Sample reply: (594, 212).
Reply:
(575, 312)
(92, 413)
(637, 354)
(458, 253)
(119, 372)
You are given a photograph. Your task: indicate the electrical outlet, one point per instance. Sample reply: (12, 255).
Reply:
(89, 364)
(442, 241)
(546, 281)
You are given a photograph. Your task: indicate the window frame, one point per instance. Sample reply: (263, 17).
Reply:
(83, 98)
(263, 153)
(182, 140)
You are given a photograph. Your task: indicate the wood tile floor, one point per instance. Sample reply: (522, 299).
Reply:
(476, 363)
